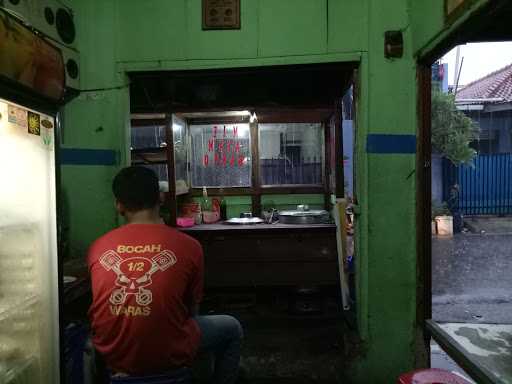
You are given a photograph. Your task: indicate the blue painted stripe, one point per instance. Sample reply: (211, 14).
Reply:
(79, 156)
(391, 143)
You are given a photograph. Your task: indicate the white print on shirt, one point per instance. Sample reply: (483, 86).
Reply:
(134, 274)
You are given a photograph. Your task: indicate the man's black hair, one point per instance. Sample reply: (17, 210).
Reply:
(136, 188)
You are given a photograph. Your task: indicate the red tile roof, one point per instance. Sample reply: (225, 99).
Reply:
(495, 85)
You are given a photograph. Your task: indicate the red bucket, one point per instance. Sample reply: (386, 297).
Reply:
(431, 376)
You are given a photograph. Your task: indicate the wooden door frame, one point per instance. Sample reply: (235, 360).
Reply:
(424, 206)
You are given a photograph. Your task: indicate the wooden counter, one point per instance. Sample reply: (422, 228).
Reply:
(260, 227)
(268, 254)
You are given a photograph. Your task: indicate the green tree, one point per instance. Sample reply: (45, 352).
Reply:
(452, 130)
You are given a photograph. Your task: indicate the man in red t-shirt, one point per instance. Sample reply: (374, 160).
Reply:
(147, 282)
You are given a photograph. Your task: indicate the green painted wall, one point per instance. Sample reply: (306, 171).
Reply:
(428, 20)
(282, 202)
(94, 120)
(235, 205)
(122, 35)
(386, 262)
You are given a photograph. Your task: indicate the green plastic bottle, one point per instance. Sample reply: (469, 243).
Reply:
(223, 207)
(206, 204)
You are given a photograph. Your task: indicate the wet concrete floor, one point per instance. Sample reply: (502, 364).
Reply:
(472, 278)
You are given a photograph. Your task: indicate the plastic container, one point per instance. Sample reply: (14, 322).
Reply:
(210, 217)
(444, 225)
(185, 222)
(192, 210)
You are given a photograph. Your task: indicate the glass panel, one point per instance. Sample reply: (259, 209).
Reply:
(159, 169)
(148, 137)
(221, 155)
(179, 131)
(28, 248)
(291, 153)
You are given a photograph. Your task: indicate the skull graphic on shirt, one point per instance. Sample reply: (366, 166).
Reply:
(134, 274)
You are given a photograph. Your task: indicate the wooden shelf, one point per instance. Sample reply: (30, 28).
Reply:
(149, 155)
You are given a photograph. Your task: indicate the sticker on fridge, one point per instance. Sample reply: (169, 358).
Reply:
(47, 131)
(47, 123)
(21, 117)
(17, 116)
(34, 123)
(11, 112)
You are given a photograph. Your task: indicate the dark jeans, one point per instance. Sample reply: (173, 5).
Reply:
(221, 335)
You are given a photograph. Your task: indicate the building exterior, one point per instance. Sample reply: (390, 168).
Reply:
(488, 102)
(484, 186)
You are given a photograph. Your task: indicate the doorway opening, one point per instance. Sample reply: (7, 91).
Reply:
(466, 103)
(267, 145)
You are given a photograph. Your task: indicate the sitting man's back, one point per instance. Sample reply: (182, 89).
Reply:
(147, 282)
(145, 279)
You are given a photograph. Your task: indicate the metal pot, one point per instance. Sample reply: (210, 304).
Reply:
(303, 215)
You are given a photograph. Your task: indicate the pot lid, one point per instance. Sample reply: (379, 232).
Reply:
(301, 213)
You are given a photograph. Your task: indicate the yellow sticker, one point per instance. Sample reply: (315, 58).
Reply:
(34, 123)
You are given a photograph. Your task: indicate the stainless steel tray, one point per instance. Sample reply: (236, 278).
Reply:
(244, 221)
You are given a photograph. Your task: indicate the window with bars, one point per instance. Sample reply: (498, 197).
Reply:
(291, 154)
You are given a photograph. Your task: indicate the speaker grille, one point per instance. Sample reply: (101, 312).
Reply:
(65, 26)
(72, 68)
(49, 15)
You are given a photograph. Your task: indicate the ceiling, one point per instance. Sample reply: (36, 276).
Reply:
(315, 86)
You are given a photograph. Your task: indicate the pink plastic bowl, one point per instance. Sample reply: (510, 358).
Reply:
(185, 222)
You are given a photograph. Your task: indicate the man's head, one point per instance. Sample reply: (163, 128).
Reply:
(136, 189)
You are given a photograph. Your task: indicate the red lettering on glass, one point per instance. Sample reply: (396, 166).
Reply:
(205, 160)
(241, 160)
(224, 159)
(224, 131)
(214, 131)
(232, 160)
(217, 159)
(230, 144)
(237, 147)
(235, 131)
(221, 145)
(211, 144)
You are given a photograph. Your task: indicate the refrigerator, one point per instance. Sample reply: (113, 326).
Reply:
(29, 272)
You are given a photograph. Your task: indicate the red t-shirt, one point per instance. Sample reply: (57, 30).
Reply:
(145, 278)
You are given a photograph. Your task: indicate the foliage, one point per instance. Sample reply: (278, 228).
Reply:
(452, 130)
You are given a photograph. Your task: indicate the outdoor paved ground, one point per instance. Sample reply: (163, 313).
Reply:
(472, 278)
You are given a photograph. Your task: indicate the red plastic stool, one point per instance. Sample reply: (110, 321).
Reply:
(431, 376)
